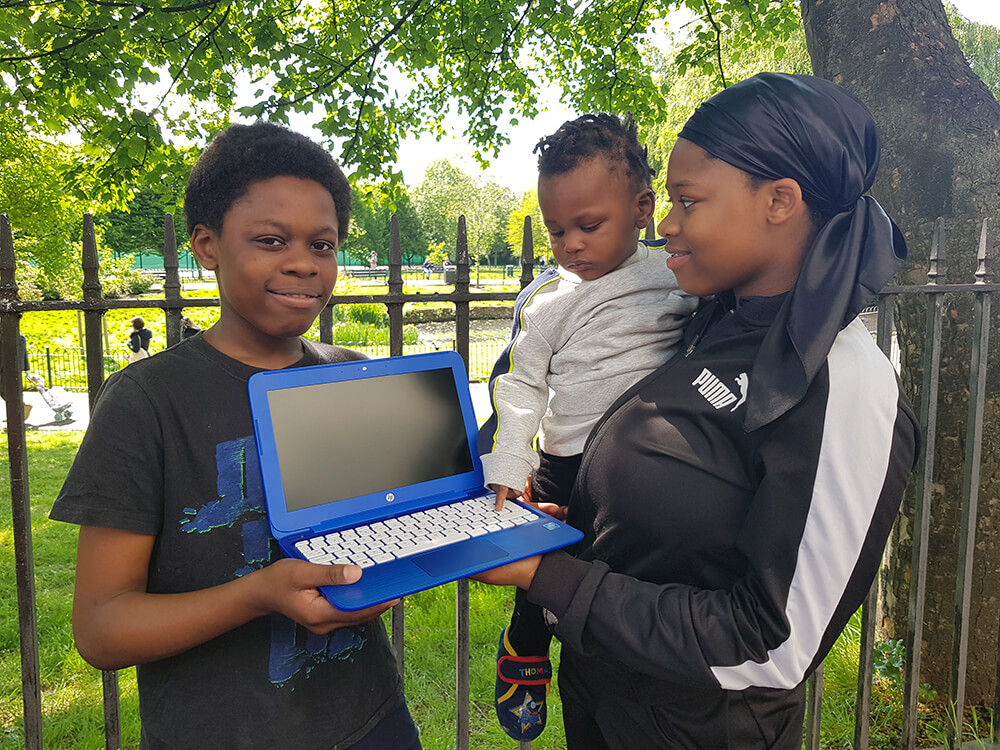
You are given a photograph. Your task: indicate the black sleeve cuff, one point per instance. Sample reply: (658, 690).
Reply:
(566, 587)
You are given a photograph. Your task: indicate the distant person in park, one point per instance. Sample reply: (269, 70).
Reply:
(188, 329)
(373, 260)
(176, 570)
(736, 502)
(138, 340)
(428, 268)
(23, 365)
(585, 330)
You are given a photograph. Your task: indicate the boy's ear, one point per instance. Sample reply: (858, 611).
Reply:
(643, 207)
(203, 247)
(785, 201)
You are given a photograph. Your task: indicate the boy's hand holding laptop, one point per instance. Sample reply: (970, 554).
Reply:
(293, 592)
(373, 463)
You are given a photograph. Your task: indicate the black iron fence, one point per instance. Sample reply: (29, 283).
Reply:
(96, 365)
(67, 367)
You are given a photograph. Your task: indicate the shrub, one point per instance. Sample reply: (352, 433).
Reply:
(120, 279)
(370, 313)
(352, 332)
(111, 364)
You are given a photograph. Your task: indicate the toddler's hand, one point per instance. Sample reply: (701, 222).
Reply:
(502, 494)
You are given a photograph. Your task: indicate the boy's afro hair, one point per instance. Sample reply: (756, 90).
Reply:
(244, 154)
(577, 141)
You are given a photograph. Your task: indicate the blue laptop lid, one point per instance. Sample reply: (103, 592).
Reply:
(346, 443)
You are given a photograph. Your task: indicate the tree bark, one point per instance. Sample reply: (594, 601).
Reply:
(940, 128)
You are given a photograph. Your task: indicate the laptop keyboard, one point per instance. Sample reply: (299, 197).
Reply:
(403, 536)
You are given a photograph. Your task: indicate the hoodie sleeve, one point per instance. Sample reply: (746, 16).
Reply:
(519, 395)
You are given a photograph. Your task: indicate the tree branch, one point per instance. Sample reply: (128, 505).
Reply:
(209, 36)
(718, 42)
(197, 6)
(361, 107)
(351, 63)
(76, 42)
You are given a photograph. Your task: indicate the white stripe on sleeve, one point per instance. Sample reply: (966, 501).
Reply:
(853, 460)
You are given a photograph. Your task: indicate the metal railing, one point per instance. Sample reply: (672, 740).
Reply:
(93, 307)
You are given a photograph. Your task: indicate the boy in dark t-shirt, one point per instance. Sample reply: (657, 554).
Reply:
(176, 570)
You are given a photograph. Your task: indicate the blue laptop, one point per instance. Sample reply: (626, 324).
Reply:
(374, 463)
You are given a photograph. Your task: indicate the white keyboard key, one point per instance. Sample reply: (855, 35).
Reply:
(383, 541)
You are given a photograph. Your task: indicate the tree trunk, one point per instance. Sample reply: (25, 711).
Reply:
(940, 130)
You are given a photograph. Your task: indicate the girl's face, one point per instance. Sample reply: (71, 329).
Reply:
(721, 230)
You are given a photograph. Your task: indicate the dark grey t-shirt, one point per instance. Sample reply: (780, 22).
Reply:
(170, 452)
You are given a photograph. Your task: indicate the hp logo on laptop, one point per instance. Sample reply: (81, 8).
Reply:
(390, 497)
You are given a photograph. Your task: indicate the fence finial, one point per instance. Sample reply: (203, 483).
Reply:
(91, 265)
(171, 280)
(936, 268)
(527, 254)
(983, 274)
(462, 246)
(8, 266)
(395, 256)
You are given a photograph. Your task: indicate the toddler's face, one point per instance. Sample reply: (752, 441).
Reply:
(593, 217)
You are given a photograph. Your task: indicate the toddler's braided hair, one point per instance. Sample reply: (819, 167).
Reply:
(593, 135)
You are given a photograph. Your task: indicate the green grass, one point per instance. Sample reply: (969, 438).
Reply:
(430, 668)
(71, 689)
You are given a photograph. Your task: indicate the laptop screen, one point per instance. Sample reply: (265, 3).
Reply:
(349, 438)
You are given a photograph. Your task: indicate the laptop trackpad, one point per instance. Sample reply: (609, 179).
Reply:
(444, 562)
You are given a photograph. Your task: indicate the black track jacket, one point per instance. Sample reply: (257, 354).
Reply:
(719, 566)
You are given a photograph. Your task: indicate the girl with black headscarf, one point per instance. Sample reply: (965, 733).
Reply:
(736, 502)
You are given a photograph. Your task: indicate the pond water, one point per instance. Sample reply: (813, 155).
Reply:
(479, 330)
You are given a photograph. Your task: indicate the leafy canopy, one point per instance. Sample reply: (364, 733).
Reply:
(140, 229)
(372, 208)
(129, 77)
(981, 45)
(446, 193)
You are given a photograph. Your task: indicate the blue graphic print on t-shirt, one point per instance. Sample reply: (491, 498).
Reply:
(293, 648)
(239, 487)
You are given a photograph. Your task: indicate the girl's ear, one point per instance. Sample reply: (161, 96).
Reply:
(785, 201)
(203, 242)
(643, 207)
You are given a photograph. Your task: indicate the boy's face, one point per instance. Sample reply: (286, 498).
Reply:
(720, 231)
(275, 260)
(593, 217)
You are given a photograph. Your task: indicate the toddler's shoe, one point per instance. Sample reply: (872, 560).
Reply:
(521, 690)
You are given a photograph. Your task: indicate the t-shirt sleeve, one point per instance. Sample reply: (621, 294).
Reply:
(116, 480)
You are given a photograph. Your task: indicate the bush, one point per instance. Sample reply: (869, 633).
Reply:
(111, 364)
(30, 281)
(370, 313)
(120, 279)
(352, 332)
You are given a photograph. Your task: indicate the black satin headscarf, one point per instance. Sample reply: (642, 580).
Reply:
(777, 125)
